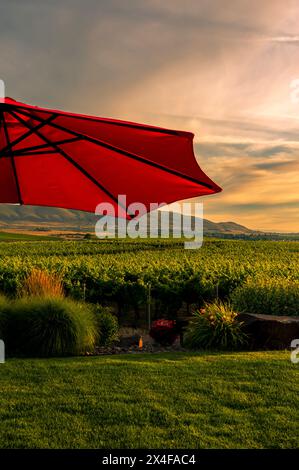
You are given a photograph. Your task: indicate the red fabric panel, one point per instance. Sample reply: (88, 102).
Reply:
(50, 180)
(8, 189)
(123, 175)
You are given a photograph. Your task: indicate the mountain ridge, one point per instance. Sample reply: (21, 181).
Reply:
(34, 217)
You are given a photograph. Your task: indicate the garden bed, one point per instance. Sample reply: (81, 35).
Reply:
(130, 345)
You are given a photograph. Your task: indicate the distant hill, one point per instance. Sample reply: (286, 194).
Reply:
(14, 215)
(36, 218)
(225, 227)
(44, 218)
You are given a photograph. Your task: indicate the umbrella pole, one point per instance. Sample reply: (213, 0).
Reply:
(149, 306)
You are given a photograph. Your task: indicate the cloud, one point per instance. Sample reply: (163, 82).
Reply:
(218, 68)
(261, 194)
(284, 39)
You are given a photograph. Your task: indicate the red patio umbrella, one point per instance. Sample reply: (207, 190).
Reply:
(60, 159)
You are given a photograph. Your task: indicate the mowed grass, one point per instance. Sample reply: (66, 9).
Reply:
(207, 400)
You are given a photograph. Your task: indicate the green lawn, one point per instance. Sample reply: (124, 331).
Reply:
(168, 400)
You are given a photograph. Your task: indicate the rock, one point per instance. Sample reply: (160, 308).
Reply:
(270, 331)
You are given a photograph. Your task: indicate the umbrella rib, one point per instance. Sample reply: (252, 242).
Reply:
(22, 137)
(121, 151)
(26, 150)
(12, 161)
(70, 160)
(29, 154)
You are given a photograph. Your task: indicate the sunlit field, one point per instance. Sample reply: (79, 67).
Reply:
(122, 271)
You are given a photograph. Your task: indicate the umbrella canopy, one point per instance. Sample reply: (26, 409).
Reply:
(59, 159)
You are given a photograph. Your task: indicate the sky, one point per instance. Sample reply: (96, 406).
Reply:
(221, 69)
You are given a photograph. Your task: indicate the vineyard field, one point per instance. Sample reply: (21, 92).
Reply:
(123, 273)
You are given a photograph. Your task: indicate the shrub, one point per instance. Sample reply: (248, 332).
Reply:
(49, 327)
(273, 297)
(107, 326)
(215, 326)
(41, 284)
(164, 332)
(88, 236)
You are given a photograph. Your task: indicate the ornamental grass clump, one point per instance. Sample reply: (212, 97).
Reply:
(46, 327)
(40, 283)
(215, 327)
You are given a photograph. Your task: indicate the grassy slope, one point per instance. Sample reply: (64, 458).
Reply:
(168, 400)
(11, 236)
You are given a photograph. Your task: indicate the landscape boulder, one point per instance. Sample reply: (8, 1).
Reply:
(270, 331)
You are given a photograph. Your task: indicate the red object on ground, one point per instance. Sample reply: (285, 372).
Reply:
(164, 331)
(54, 158)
